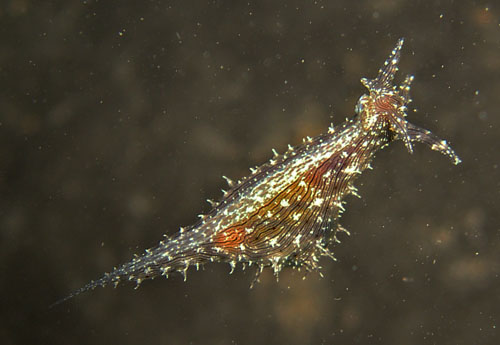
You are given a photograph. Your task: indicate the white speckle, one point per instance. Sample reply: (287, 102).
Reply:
(352, 169)
(250, 209)
(318, 201)
(297, 239)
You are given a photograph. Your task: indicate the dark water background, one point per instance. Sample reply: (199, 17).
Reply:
(117, 120)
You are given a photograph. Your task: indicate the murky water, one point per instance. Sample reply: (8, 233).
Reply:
(117, 122)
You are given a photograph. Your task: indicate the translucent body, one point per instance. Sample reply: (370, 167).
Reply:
(286, 212)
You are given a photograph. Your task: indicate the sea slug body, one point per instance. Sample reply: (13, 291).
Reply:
(286, 212)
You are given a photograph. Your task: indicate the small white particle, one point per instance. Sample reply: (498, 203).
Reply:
(318, 202)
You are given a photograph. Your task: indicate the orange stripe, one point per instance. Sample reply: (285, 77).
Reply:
(231, 237)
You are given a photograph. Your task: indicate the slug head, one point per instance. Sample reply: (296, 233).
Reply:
(385, 105)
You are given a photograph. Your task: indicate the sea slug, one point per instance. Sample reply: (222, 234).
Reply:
(286, 212)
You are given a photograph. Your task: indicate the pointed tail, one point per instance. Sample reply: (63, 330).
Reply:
(175, 255)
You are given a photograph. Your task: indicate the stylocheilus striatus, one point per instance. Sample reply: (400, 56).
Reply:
(286, 212)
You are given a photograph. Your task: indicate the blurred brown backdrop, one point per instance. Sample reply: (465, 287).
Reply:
(117, 120)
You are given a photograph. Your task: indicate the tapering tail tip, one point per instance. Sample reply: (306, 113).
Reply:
(90, 286)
